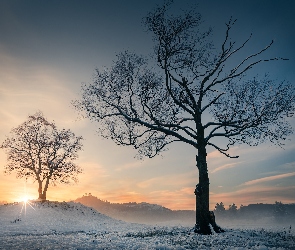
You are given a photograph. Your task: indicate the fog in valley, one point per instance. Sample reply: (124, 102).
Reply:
(252, 216)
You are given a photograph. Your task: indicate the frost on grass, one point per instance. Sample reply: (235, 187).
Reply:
(55, 225)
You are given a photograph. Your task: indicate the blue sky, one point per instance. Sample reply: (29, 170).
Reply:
(48, 48)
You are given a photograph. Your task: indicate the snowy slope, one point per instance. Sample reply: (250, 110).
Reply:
(48, 217)
(61, 225)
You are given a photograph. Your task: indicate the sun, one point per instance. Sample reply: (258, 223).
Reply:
(25, 199)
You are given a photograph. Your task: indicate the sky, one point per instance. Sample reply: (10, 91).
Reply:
(48, 48)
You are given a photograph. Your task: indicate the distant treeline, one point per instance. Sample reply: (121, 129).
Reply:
(150, 213)
(277, 210)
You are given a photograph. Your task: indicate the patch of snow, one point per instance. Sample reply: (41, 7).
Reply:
(69, 225)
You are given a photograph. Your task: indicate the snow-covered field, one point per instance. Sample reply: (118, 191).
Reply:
(61, 225)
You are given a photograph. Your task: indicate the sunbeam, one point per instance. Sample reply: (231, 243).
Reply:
(24, 206)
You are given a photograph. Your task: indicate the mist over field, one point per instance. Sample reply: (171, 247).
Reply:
(71, 225)
(251, 216)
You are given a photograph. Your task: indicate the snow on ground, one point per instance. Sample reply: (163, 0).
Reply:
(62, 225)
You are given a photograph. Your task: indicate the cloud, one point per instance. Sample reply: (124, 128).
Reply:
(217, 161)
(130, 165)
(180, 199)
(225, 166)
(172, 180)
(288, 165)
(149, 182)
(269, 178)
(214, 154)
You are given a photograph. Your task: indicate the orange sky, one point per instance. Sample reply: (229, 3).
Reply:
(173, 190)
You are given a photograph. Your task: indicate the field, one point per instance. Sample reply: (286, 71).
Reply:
(69, 225)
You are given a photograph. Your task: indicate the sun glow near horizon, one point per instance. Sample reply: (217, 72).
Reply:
(25, 198)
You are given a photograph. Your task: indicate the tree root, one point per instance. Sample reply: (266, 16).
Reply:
(207, 229)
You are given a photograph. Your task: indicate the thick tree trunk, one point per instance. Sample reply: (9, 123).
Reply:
(202, 195)
(44, 196)
(204, 217)
(42, 193)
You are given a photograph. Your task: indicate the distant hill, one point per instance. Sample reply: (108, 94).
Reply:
(152, 214)
(138, 212)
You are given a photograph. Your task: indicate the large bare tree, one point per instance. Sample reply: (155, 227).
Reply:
(150, 107)
(37, 149)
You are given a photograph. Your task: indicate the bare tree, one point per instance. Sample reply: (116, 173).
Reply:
(37, 149)
(151, 107)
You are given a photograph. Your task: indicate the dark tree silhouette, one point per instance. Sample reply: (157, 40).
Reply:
(37, 149)
(280, 210)
(233, 209)
(152, 107)
(219, 208)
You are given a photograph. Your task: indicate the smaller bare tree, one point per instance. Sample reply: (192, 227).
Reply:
(37, 149)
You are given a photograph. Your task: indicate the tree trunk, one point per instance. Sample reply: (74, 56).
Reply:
(44, 196)
(40, 190)
(42, 193)
(204, 217)
(46, 187)
(202, 194)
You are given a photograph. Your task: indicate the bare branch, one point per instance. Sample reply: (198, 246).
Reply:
(139, 106)
(223, 151)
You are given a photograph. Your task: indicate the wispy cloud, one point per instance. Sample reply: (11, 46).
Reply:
(149, 182)
(183, 198)
(130, 165)
(213, 155)
(269, 178)
(175, 180)
(288, 165)
(226, 166)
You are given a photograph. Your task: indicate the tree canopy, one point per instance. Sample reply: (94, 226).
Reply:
(36, 149)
